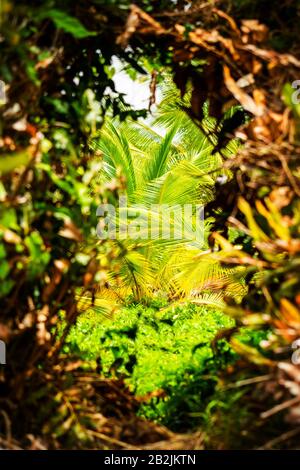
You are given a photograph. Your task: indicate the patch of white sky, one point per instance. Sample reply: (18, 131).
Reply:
(137, 92)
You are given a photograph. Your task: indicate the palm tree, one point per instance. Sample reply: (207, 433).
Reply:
(168, 164)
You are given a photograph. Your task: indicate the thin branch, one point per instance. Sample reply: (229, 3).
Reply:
(277, 440)
(280, 407)
(112, 440)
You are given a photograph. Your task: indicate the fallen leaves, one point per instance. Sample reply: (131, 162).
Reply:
(243, 98)
(233, 55)
(141, 21)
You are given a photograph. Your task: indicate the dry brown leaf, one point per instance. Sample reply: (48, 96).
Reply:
(134, 21)
(289, 312)
(62, 264)
(11, 237)
(228, 18)
(271, 56)
(70, 231)
(245, 100)
(292, 370)
(254, 31)
(130, 28)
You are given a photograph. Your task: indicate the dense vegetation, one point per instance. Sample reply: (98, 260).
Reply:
(101, 334)
(164, 355)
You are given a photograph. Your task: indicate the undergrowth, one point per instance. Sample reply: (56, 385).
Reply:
(164, 354)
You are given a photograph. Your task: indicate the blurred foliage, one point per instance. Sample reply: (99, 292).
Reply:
(56, 65)
(57, 72)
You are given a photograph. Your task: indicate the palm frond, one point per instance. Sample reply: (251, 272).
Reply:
(116, 153)
(211, 299)
(157, 165)
(98, 304)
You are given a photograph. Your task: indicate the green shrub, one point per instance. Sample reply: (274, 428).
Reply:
(164, 354)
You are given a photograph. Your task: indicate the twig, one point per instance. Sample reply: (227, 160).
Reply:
(288, 173)
(9, 444)
(277, 440)
(253, 380)
(280, 407)
(7, 425)
(112, 440)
